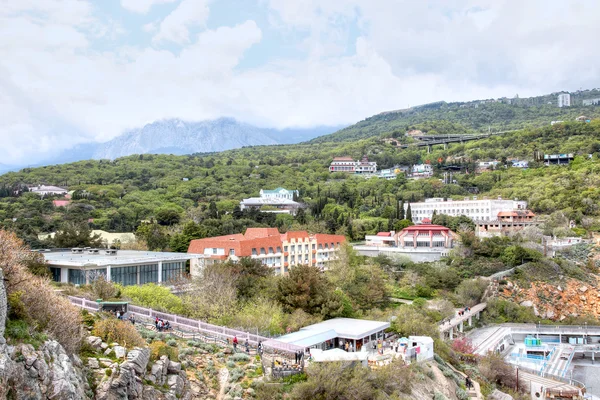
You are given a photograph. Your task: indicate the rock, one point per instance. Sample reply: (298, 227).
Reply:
(139, 359)
(498, 395)
(527, 303)
(120, 351)
(104, 346)
(535, 311)
(550, 314)
(77, 361)
(107, 364)
(583, 298)
(559, 288)
(107, 352)
(94, 341)
(583, 289)
(174, 367)
(176, 384)
(93, 363)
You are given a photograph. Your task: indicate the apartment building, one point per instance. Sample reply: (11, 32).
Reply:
(347, 164)
(474, 208)
(279, 251)
(564, 100)
(279, 193)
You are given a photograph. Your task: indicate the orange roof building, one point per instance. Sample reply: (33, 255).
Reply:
(279, 251)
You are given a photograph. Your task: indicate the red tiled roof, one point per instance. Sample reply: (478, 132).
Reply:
(325, 238)
(252, 233)
(294, 235)
(425, 227)
(384, 234)
(426, 221)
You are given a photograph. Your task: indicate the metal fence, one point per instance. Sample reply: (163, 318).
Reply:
(194, 326)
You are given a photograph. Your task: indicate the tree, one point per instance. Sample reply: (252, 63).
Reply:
(76, 235)
(249, 276)
(305, 287)
(401, 215)
(153, 235)
(168, 216)
(301, 216)
(409, 213)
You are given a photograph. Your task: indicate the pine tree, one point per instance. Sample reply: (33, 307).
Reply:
(409, 213)
(401, 215)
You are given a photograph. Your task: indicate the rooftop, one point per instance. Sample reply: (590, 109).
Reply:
(425, 227)
(277, 190)
(65, 257)
(347, 328)
(269, 201)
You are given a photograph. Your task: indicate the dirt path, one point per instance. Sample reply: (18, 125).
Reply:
(223, 378)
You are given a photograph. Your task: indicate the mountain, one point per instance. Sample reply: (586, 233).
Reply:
(174, 136)
(179, 137)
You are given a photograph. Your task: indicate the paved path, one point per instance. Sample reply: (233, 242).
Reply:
(530, 379)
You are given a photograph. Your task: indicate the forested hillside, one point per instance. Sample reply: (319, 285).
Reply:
(118, 195)
(472, 117)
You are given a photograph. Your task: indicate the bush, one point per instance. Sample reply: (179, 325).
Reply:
(439, 396)
(172, 342)
(230, 364)
(108, 371)
(186, 351)
(159, 349)
(236, 375)
(461, 394)
(193, 343)
(240, 357)
(116, 330)
(154, 296)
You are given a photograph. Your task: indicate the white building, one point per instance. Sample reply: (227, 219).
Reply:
(279, 193)
(477, 210)
(591, 102)
(128, 267)
(422, 171)
(44, 190)
(564, 100)
(271, 205)
(347, 164)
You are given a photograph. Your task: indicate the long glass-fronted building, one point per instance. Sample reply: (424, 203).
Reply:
(127, 267)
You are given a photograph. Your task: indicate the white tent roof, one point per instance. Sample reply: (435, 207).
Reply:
(337, 355)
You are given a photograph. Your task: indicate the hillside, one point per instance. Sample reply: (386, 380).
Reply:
(471, 117)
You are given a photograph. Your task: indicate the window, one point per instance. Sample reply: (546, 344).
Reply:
(320, 246)
(148, 273)
(55, 274)
(285, 248)
(305, 247)
(231, 252)
(285, 259)
(126, 276)
(214, 250)
(313, 246)
(270, 250)
(76, 276)
(293, 259)
(253, 252)
(293, 248)
(278, 249)
(172, 270)
(262, 250)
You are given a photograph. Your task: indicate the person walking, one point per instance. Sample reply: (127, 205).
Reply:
(235, 343)
(247, 345)
(468, 382)
(259, 348)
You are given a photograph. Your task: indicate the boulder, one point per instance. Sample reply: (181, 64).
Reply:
(550, 314)
(107, 352)
(527, 303)
(173, 367)
(93, 363)
(120, 351)
(583, 289)
(175, 383)
(104, 346)
(94, 341)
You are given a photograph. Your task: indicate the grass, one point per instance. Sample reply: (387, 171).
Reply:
(18, 331)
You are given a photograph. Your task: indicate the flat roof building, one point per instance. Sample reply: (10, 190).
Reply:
(278, 205)
(334, 333)
(128, 267)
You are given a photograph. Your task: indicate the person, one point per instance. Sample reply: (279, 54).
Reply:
(247, 344)
(259, 348)
(350, 348)
(118, 314)
(468, 382)
(295, 357)
(167, 325)
(235, 343)
(132, 319)
(346, 346)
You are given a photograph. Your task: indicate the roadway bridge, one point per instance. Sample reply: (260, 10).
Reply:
(432, 140)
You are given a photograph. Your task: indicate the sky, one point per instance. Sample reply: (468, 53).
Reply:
(74, 71)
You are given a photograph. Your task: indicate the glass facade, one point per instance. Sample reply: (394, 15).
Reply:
(148, 273)
(173, 270)
(55, 274)
(126, 276)
(76, 276)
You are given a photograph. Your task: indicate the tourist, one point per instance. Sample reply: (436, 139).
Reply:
(346, 346)
(235, 343)
(350, 348)
(259, 348)
(468, 382)
(247, 344)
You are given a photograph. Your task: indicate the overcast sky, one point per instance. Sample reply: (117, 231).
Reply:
(74, 71)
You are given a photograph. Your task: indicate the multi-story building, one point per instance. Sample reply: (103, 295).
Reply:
(564, 100)
(279, 193)
(591, 102)
(271, 205)
(482, 210)
(506, 223)
(422, 171)
(278, 251)
(347, 164)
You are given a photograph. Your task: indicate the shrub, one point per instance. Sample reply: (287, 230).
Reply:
(172, 342)
(461, 394)
(116, 330)
(186, 351)
(193, 343)
(235, 375)
(159, 349)
(230, 364)
(102, 288)
(240, 357)
(439, 396)
(45, 309)
(108, 371)
(154, 296)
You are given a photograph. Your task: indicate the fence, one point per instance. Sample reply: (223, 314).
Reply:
(194, 326)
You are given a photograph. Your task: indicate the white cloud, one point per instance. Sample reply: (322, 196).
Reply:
(56, 89)
(142, 6)
(175, 27)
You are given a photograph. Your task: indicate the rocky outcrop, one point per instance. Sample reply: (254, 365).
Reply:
(130, 380)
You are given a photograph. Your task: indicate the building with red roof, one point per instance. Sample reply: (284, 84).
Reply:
(277, 250)
(61, 203)
(347, 164)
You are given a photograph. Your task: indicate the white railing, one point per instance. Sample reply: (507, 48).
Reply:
(195, 326)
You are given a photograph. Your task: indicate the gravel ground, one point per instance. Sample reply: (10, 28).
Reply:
(589, 374)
